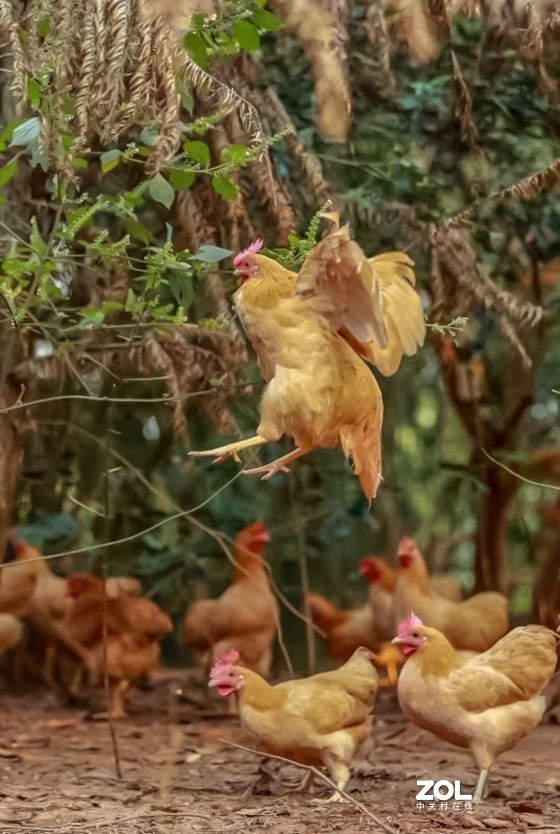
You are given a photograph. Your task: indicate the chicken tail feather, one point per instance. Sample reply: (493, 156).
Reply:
(362, 443)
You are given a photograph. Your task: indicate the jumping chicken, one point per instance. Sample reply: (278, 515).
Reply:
(322, 720)
(312, 332)
(486, 704)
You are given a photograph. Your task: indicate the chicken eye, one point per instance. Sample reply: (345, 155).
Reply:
(415, 634)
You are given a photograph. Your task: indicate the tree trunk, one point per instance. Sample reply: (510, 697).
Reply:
(491, 537)
(10, 459)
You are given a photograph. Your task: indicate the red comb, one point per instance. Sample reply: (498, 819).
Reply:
(223, 662)
(255, 247)
(20, 546)
(407, 625)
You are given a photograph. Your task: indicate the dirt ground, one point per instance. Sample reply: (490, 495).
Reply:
(58, 774)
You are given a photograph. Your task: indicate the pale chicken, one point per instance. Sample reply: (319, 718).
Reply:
(322, 720)
(487, 704)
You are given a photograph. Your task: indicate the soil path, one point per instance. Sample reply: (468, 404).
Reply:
(58, 775)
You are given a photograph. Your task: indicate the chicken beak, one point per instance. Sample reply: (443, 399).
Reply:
(397, 640)
(212, 683)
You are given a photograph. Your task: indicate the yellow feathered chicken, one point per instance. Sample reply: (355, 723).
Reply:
(312, 332)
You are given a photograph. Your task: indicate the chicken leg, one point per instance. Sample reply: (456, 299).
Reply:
(306, 783)
(118, 696)
(231, 449)
(278, 465)
(480, 785)
(339, 773)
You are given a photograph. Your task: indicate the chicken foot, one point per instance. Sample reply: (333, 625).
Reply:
(306, 783)
(340, 774)
(480, 785)
(278, 465)
(221, 453)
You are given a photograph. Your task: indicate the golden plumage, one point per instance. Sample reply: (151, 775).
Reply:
(311, 332)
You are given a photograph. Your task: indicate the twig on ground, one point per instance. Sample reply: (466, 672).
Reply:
(316, 772)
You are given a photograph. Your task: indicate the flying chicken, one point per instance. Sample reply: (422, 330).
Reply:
(313, 333)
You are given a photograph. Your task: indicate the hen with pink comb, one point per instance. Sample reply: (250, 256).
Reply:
(313, 333)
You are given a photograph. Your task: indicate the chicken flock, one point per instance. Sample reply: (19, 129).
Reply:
(458, 670)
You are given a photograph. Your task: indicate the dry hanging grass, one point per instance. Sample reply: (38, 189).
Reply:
(322, 33)
(463, 104)
(119, 61)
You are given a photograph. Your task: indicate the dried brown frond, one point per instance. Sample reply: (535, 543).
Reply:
(116, 62)
(169, 135)
(198, 363)
(338, 12)
(158, 358)
(320, 35)
(179, 12)
(456, 281)
(463, 104)
(534, 184)
(19, 56)
(376, 28)
(534, 33)
(437, 10)
(309, 164)
(410, 22)
(453, 272)
(190, 222)
(216, 93)
(510, 332)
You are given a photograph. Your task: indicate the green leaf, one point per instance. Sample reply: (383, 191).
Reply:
(91, 316)
(110, 159)
(181, 288)
(266, 20)
(225, 187)
(136, 230)
(211, 254)
(180, 179)
(236, 153)
(112, 306)
(26, 132)
(149, 135)
(160, 191)
(197, 49)
(33, 92)
(199, 151)
(7, 171)
(246, 35)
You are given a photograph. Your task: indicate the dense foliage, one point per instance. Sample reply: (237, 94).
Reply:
(117, 315)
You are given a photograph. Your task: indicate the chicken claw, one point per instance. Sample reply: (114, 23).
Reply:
(278, 465)
(334, 797)
(269, 469)
(221, 453)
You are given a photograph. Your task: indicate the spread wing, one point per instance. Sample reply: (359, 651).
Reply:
(371, 302)
(338, 281)
(402, 312)
(516, 668)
